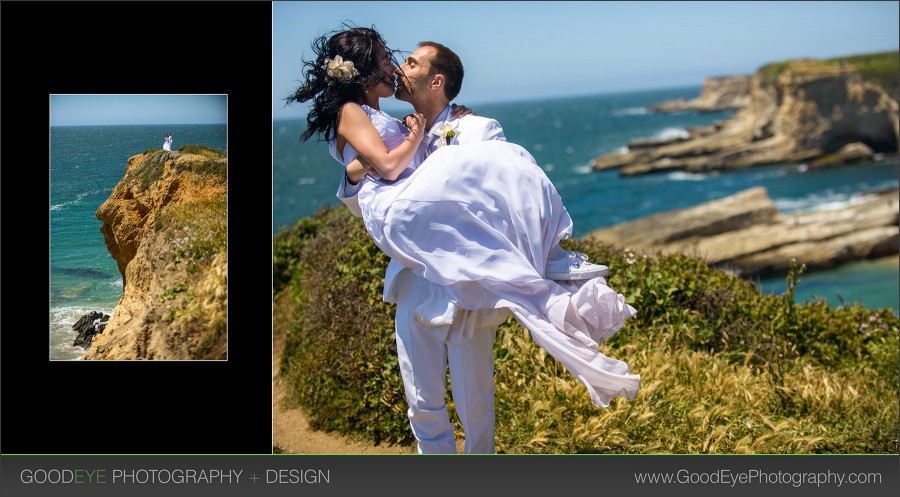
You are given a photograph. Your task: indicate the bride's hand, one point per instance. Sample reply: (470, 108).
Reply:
(458, 111)
(416, 124)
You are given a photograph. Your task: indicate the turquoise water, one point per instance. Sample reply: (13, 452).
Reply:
(565, 135)
(86, 162)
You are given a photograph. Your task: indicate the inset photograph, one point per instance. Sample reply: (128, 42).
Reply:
(138, 218)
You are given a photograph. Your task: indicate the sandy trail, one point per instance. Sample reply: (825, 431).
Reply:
(292, 434)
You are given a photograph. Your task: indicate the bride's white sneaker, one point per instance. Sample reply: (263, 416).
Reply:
(574, 267)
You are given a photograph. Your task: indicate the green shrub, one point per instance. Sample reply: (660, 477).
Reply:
(340, 338)
(725, 368)
(203, 150)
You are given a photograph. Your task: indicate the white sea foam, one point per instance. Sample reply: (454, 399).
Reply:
(671, 134)
(683, 176)
(817, 202)
(586, 168)
(71, 202)
(631, 111)
(306, 181)
(621, 150)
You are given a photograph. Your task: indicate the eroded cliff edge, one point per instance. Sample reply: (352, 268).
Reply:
(165, 224)
(827, 112)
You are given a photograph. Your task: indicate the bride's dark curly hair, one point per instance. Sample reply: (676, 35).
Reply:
(359, 45)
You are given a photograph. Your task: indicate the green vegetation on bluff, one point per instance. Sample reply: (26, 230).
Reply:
(881, 68)
(210, 161)
(724, 368)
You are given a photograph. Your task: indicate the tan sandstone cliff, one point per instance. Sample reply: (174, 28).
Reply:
(718, 94)
(803, 110)
(165, 225)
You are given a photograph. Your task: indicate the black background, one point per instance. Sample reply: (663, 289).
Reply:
(134, 407)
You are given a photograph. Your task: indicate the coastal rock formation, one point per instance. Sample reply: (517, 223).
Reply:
(798, 111)
(165, 225)
(89, 325)
(745, 232)
(718, 94)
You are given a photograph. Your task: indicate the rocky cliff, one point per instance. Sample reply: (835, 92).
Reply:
(801, 110)
(165, 224)
(718, 94)
(746, 233)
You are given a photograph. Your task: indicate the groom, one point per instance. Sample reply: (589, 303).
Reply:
(431, 331)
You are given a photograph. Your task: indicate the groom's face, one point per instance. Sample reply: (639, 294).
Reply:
(414, 74)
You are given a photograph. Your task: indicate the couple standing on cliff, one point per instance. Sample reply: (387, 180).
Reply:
(472, 229)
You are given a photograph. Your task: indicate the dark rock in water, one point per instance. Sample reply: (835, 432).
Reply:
(89, 325)
(80, 272)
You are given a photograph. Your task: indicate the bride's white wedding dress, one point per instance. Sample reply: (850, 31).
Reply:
(479, 220)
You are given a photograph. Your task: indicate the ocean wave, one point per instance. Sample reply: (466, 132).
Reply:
(66, 315)
(672, 134)
(631, 111)
(683, 176)
(586, 168)
(621, 150)
(306, 181)
(71, 202)
(818, 202)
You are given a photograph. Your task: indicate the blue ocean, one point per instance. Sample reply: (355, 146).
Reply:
(86, 162)
(566, 134)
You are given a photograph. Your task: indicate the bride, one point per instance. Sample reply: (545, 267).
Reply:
(480, 220)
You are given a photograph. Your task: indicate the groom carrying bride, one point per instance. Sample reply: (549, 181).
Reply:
(431, 330)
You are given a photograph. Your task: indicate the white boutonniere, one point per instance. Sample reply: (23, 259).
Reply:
(340, 69)
(447, 131)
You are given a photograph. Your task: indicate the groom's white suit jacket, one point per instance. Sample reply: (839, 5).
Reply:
(470, 129)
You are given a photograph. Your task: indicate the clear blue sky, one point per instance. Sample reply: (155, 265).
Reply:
(83, 110)
(523, 50)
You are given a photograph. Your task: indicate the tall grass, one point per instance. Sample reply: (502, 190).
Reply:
(724, 368)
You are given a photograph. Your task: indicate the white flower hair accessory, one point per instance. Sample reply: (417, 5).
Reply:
(340, 69)
(447, 131)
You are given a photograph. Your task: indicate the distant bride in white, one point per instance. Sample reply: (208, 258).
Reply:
(167, 145)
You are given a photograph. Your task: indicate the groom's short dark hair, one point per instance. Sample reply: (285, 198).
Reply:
(447, 63)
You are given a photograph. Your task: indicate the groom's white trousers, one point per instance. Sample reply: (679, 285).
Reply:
(426, 342)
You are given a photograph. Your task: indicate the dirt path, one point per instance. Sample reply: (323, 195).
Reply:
(291, 431)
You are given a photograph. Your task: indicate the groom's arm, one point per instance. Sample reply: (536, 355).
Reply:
(347, 194)
(493, 131)
(473, 129)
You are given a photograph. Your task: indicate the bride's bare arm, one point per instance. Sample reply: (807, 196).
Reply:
(357, 170)
(356, 128)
